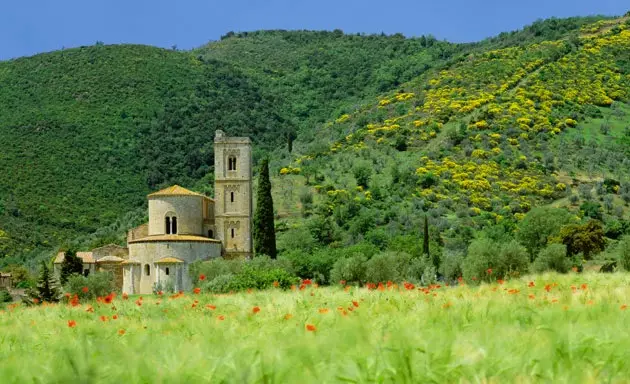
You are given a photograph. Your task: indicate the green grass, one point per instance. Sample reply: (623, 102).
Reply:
(462, 334)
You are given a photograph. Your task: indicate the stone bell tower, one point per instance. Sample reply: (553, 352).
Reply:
(233, 194)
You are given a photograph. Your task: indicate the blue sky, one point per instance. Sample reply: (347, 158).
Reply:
(28, 27)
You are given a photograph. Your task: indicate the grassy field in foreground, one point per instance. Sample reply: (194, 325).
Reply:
(546, 328)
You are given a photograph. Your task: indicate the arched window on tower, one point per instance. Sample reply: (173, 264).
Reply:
(231, 197)
(167, 271)
(147, 270)
(210, 234)
(232, 232)
(168, 225)
(231, 163)
(174, 225)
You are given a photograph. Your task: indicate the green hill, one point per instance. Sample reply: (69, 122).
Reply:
(385, 128)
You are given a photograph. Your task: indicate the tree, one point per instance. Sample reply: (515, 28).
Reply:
(538, 226)
(264, 231)
(72, 264)
(586, 239)
(47, 289)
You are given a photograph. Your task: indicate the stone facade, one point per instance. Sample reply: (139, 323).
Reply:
(233, 194)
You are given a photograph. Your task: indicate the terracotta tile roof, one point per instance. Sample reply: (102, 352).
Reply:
(176, 190)
(170, 238)
(131, 261)
(169, 260)
(110, 259)
(85, 256)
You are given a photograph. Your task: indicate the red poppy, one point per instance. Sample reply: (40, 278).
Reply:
(474, 278)
(202, 277)
(380, 287)
(72, 323)
(323, 310)
(85, 289)
(307, 282)
(293, 287)
(623, 307)
(310, 328)
(74, 301)
(139, 302)
(109, 298)
(500, 281)
(256, 309)
(197, 290)
(221, 317)
(355, 303)
(489, 271)
(103, 318)
(447, 305)
(584, 287)
(513, 291)
(460, 279)
(35, 300)
(531, 284)
(211, 307)
(342, 282)
(89, 309)
(121, 332)
(115, 317)
(548, 287)
(276, 284)
(532, 296)
(125, 296)
(288, 316)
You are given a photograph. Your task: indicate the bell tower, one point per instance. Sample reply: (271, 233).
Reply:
(233, 194)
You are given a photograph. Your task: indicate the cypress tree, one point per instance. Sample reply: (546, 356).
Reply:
(47, 289)
(425, 240)
(264, 231)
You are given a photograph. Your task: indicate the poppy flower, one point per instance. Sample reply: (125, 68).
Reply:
(500, 281)
(380, 287)
(103, 318)
(310, 328)
(323, 310)
(288, 316)
(211, 307)
(342, 282)
(125, 296)
(121, 332)
(109, 298)
(139, 302)
(489, 271)
(197, 290)
(623, 307)
(532, 296)
(447, 305)
(548, 287)
(72, 323)
(256, 309)
(531, 284)
(89, 309)
(35, 300)
(355, 303)
(74, 301)
(584, 287)
(307, 282)
(85, 289)
(221, 317)
(202, 277)
(115, 317)
(276, 284)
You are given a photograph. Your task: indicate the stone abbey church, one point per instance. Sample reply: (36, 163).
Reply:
(184, 227)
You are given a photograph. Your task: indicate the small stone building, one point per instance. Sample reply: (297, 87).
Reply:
(106, 258)
(6, 280)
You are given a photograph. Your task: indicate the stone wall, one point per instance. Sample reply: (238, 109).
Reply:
(187, 209)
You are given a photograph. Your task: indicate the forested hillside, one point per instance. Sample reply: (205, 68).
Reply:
(385, 129)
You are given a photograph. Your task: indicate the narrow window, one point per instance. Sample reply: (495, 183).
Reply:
(168, 225)
(174, 225)
(232, 232)
(167, 271)
(231, 197)
(147, 270)
(86, 272)
(232, 163)
(210, 234)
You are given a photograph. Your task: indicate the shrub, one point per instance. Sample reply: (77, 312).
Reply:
(422, 270)
(513, 260)
(351, 269)
(387, 266)
(5, 296)
(539, 225)
(623, 250)
(315, 266)
(262, 278)
(451, 265)
(98, 284)
(214, 267)
(220, 284)
(554, 258)
(482, 256)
